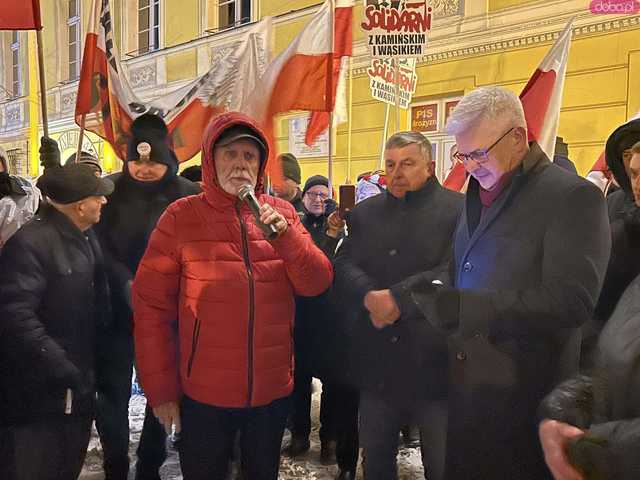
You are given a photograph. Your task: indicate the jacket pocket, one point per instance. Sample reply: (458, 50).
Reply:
(194, 346)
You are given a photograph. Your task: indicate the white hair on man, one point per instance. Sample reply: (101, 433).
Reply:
(486, 103)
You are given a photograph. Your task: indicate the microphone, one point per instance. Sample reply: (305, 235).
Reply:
(248, 196)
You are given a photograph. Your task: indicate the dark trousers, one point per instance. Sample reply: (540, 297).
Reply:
(51, 449)
(380, 424)
(346, 428)
(208, 434)
(112, 416)
(330, 404)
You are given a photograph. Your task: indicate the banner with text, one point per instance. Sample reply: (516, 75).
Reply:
(382, 81)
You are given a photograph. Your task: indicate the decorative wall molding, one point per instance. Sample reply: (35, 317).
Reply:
(144, 76)
(68, 101)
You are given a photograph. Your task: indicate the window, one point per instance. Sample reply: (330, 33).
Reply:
(16, 83)
(233, 12)
(73, 28)
(15, 162)
(148, 25)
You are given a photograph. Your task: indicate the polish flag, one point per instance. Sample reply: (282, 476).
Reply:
(20, 15)
(541, 100)
(342, 50)
(456, 178)
(542, 96)
(107, 104)
(301, 77)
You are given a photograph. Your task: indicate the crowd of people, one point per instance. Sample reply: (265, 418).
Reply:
(501, 324)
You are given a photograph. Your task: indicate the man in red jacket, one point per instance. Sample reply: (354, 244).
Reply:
(214, 306)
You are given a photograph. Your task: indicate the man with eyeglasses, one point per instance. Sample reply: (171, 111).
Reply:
(400, 370)
(530, 253)
(312, 314)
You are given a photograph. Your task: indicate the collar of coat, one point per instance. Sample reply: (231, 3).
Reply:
(425, 191)
(63, 224)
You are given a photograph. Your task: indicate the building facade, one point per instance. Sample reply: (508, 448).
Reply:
(167, 43)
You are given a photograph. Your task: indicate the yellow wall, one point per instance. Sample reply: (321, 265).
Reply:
(182, 65)
(495, 5)
(181, 21)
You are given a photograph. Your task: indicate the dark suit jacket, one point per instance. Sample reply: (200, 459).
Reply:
(526, 273)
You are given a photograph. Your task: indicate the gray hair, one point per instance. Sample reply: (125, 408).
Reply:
(404, 139)
(492, 103)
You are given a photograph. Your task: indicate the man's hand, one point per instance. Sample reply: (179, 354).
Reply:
(382, 308)
(270, 216)
(49, 153)
(335, 224)
(555, 438)
(168, 414)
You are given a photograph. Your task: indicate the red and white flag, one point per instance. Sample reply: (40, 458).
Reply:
(541, 100)
(20, 15)
(342, 50)
(107, 105)
(542, 96)
(301, 77)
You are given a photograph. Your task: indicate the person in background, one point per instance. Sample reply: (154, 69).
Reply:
(289, 188)
(624, 218)
(19, 200)
(530, 253)
(313, 315)
(400, 371)
(147, 185)
(88, 159)
(54, 301)
(214, 304)
(193, 173)
(370, 184)
(561, 156)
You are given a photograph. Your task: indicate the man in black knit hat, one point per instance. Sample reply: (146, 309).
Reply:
(147, 185)
(289, 187)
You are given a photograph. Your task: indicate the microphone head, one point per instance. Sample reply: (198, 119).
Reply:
(244, 191)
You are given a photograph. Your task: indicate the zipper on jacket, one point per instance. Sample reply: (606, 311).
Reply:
(247, 263)
(194, 346)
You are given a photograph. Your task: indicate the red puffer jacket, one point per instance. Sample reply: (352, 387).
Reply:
(214, 301)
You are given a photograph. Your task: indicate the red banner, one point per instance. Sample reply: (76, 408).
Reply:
(20, 15)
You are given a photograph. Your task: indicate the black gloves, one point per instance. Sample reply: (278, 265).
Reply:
(49, 153)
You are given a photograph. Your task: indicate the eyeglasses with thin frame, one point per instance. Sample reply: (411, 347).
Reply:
(479, 156)
(321, 196)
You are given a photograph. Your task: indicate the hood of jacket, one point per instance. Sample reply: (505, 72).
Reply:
(624, 137)
(212, 190)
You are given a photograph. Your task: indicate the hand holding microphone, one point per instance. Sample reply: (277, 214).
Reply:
(270, 221)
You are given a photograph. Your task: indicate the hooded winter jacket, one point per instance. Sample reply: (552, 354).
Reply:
(214, 301)
(624, 217)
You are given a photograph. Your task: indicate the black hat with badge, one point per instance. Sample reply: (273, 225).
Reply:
(72, 183)
(150, 129)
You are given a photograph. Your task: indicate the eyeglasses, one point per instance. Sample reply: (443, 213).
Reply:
(479, 156)
(321, 196)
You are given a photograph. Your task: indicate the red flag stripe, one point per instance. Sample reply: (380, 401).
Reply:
(20, 15)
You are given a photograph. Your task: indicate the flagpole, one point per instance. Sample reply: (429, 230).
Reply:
(385, 131)
(397, 80)
(331, 100)
(350, 113)
(43, 88)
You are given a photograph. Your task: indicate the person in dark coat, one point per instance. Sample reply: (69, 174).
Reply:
(53, 302)
(624, 217)
(147, 185)
(288, 188)
(530, 253)
(313, 314)
(400, 370)
(591, 423)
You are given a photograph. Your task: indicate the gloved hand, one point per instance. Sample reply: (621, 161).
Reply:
(49, 153)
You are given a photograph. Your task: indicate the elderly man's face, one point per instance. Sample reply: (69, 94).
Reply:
(90, 209)
(314, 199)
(490, 149)
(634, 176)
(407, 169)
(237, 164)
